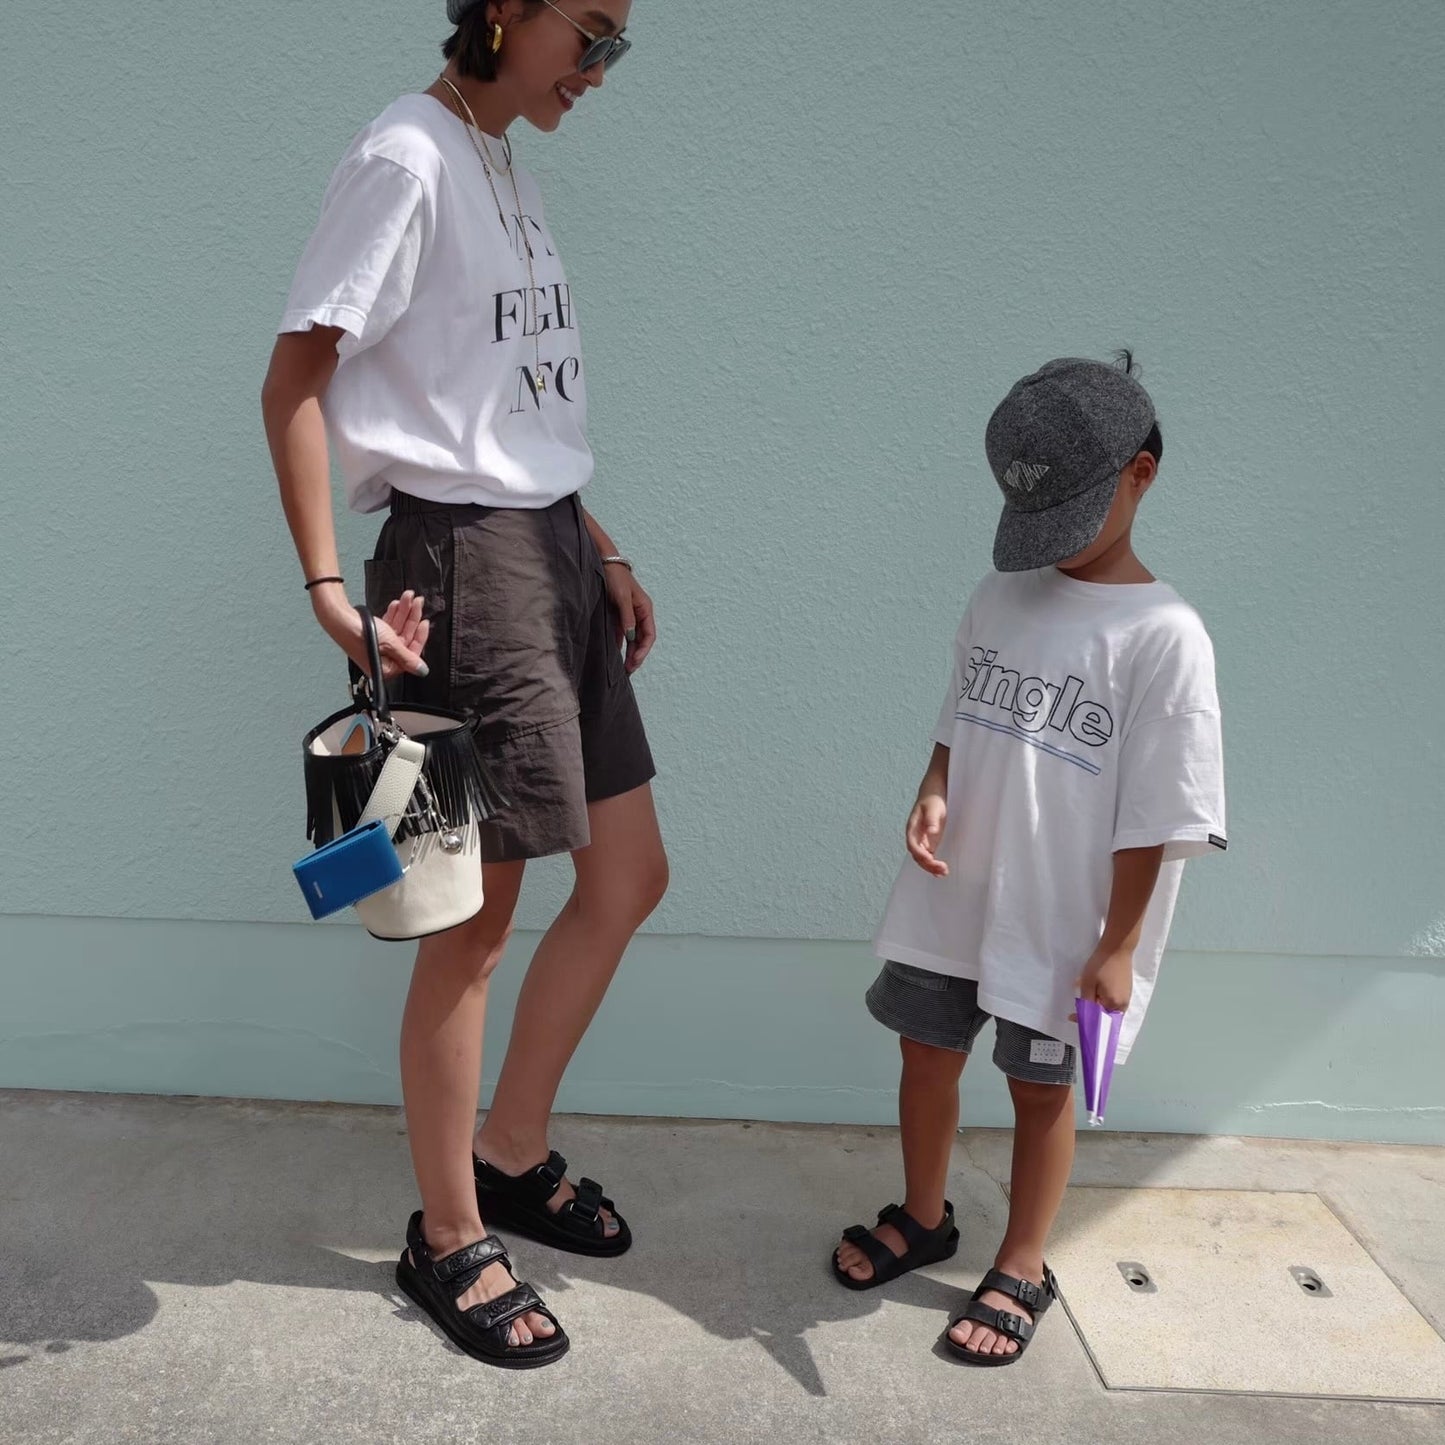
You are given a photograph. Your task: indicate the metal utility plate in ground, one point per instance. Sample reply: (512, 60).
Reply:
(1228, 1310)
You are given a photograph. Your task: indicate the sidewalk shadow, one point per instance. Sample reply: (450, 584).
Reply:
(735, 1226)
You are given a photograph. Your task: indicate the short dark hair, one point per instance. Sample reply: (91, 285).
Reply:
(470, 44)
(1154, 442)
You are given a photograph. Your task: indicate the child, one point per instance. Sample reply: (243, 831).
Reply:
(1077, 764)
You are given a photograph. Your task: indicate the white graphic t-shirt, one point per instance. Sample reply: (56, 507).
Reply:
(1081, 718)
(436, 392)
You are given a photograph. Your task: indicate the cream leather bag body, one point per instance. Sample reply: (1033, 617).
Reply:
(418, 770)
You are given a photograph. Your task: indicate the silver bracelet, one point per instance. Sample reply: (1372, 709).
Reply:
(617, 561)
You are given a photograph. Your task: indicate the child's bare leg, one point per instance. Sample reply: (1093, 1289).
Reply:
(1042, 1160)
(928, 1120)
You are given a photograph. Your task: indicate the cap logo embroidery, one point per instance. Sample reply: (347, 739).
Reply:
(1024, 476)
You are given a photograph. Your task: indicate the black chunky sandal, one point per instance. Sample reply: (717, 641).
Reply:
(519, 1202)
(925, 1246)
(1036, 1298)
(435, 1286)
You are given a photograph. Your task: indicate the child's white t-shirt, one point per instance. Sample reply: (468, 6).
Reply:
(1081, 718)
(436, 391)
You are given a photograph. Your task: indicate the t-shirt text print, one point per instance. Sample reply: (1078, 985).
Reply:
(1033, 709)
(533, 312)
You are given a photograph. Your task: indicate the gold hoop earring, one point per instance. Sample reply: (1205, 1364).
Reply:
(496, 38)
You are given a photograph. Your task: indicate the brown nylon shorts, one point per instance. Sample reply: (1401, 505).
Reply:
(524, 638)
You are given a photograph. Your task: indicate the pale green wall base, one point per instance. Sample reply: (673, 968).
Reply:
(1236, 1044)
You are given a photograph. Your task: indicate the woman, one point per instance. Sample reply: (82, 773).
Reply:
(431, 325)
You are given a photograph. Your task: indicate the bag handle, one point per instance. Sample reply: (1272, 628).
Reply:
(401, 774)
(376, 682)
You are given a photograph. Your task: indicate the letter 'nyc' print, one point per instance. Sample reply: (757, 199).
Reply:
(533, 312)
(1051, 716)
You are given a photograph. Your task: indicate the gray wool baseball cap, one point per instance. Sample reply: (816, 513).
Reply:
(1056, 444)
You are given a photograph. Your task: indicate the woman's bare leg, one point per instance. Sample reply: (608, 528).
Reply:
(441, 1065)
(621, 877)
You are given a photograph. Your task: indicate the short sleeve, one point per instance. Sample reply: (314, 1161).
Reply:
(1171, 786)
(357, 270)
(1171, 763)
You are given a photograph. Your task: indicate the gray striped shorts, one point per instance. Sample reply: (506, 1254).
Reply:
(943, 1011)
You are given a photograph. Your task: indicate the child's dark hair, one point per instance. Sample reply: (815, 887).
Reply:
(1154, 442)
(470, 44)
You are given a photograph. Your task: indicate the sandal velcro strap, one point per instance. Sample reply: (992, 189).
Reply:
(470, 1260)
(904, 1223)
(1013, 1327)
(553, 1172)
(885, 1263)
(1035, 1298)
(497, 1313)
(588, 1203)
(915, 1236)
(535, 1187)
(1031, 1296)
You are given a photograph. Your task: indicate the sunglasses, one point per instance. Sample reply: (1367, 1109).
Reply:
(603, 50)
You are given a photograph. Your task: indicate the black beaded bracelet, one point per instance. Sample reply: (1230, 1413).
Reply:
(317, 581)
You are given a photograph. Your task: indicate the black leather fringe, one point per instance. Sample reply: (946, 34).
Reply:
(454, 771)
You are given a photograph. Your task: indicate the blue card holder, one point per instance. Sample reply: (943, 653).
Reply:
(348, 869)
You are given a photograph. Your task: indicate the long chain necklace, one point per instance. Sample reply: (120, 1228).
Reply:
(464, 113)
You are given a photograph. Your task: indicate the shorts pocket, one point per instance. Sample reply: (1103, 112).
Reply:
(921, 977)
(385, 582)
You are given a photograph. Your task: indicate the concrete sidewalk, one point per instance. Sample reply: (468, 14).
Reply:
(179, 1270)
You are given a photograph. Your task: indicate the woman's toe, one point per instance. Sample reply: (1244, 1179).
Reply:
(540, 1325)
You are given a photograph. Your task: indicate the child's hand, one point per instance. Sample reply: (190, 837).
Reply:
(1108, 979)
(924, 832)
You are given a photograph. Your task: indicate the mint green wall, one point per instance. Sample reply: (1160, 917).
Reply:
(807, 271)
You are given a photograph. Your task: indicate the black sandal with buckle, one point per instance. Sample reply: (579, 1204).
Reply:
(1036, 1298)
(435, 1286)
(519, 1202)
(925, 1246)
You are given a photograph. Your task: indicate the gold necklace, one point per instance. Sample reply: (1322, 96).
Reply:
(464, 114)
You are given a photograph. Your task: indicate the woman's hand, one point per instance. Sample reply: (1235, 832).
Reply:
(637, 624)
(401, 631)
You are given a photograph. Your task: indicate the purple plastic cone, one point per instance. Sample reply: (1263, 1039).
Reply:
(1099, 1031)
